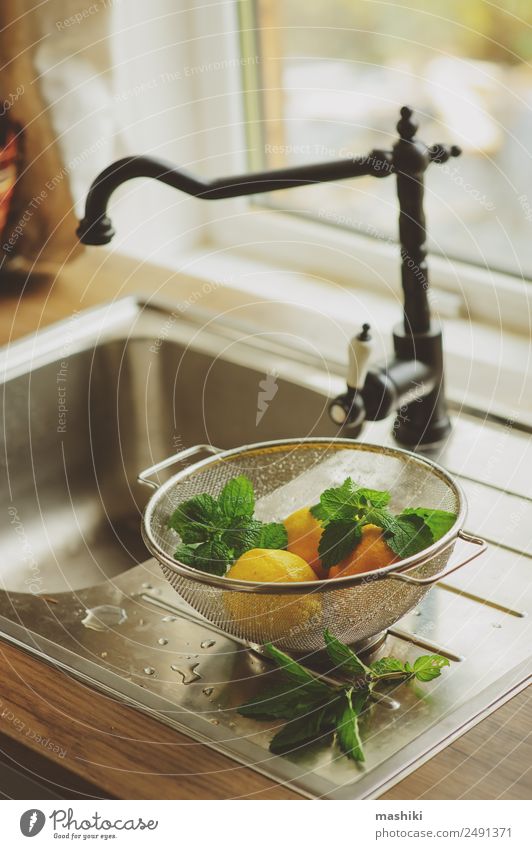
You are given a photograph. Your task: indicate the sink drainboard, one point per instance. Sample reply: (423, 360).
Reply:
(163, 658)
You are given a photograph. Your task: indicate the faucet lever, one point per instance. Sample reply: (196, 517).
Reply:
(348, 410)
(359, 353)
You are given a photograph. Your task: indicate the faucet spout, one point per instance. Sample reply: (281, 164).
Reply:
(96, 227)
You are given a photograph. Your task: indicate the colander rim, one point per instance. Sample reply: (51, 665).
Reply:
(303, 587)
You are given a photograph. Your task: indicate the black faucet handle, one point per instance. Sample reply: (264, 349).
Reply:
(406, 127)
(440, 153)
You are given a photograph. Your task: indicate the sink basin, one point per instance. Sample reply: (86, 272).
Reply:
(93, 402)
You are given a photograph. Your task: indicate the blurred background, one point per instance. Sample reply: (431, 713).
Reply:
(234, 85)
(332, 73)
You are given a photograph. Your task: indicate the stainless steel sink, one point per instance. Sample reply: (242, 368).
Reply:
(92, 401)
(79, 427)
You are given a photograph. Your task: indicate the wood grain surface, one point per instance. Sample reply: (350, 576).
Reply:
(118, 749)
(128, 755)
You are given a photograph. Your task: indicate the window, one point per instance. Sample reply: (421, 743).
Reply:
(328, 82)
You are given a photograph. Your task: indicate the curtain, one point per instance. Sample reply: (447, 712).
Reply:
(54, 85)
(90, 81)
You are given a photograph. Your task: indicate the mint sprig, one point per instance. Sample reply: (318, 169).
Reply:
(425, 668)
(217, 531)
(345, 509)
(315, 709)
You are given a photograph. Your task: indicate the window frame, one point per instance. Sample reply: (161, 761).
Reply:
(323, 249)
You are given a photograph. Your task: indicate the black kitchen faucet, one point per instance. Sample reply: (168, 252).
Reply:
(412, 384)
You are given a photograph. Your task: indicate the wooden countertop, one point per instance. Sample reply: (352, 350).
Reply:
(122, 753)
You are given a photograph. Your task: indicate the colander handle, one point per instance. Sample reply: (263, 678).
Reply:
(143, 477)
(423, 582)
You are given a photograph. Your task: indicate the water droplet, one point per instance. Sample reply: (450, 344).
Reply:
(149, 670)
(387, 702)
(232, 725)
(188, 673)
(208, 691)
(207, 644)
(141, 621)
(103, 617)
(147, 586)
(214, 721)
(162, 641)
(496, 625)
(169, 618)
(103, 654)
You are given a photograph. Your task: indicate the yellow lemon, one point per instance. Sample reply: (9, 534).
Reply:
(268, 564)
(304, 534)
(270, 617)
(372, 552)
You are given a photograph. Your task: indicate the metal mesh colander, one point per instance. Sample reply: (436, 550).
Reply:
(287, 475)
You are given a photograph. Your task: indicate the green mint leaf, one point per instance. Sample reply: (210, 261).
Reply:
(343, 658)
(302, 730)
(408, 535)
(186, 554)
(429, 666)
(340, 502)
(346, 502)
(295, 673)
(347, 730)
(439, 521)
(237, 498)
(282, 703)
(242, 535)
(375, 497)
(337, 541)
(196, 519)
(319, 512)
(273, 535)
(379, 516)
(386, 665)
(411, 535)
(213, 557)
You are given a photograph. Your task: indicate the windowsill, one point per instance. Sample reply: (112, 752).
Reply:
(328, 253)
